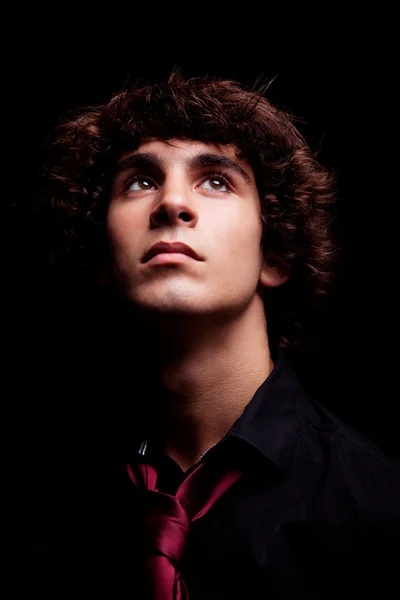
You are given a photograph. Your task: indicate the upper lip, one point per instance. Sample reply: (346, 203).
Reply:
(167, 247)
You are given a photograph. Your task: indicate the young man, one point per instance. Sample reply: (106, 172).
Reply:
(200, 204)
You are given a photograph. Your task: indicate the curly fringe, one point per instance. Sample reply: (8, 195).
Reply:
(296, 191)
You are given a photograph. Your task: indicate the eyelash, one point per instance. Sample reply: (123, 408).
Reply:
(209, 175)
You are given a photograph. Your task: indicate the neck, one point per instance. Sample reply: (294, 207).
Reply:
(207, 371)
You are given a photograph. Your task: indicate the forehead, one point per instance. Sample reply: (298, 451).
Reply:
(178, 150)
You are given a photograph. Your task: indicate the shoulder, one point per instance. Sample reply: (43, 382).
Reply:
(352, 472)
(349, 515)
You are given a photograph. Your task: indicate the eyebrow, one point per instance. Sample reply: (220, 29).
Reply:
(205, 159)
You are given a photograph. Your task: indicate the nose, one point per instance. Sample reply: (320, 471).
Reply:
(176, 202)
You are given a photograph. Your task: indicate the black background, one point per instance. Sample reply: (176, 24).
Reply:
(338, 77)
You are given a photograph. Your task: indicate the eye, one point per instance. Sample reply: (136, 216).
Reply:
(139, 183)
(215, 183)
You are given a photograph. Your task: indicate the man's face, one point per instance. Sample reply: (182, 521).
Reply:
(197, 193)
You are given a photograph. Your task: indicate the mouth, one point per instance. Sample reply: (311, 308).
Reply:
(169, 258)
(170, 249)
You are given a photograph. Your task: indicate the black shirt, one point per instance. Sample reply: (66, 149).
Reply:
(316, 515)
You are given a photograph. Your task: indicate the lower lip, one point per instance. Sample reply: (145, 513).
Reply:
(169, 257)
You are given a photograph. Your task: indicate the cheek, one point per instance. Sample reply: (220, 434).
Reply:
(237, 231)
(237, 242)
(120, 225)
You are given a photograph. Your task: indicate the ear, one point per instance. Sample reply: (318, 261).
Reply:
(273, 276)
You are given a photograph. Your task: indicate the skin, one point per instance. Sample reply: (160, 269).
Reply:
(205, 319)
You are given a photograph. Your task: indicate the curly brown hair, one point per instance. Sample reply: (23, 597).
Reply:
(295, 190)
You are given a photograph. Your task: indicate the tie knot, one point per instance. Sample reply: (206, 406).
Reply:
(167, 526)
(167, 520)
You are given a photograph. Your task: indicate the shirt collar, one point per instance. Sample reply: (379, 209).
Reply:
(271, 420)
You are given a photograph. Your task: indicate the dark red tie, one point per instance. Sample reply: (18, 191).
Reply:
(168, 521)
